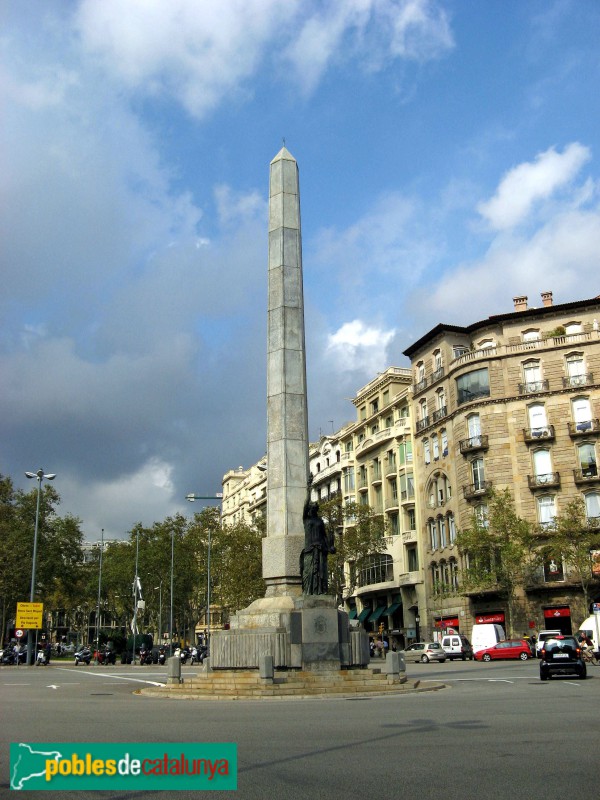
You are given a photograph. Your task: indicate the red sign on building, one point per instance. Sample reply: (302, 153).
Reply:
(495, 617)
(559, 611)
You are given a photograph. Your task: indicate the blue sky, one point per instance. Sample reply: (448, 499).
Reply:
(448, 156)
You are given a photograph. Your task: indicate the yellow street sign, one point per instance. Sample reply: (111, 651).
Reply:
(29, 615)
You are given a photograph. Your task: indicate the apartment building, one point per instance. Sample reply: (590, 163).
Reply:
(510, 401)
(385, 592)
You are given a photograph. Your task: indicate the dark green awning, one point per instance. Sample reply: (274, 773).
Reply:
(364, 614)
(391, 609)
(376, 614)
(352, 613)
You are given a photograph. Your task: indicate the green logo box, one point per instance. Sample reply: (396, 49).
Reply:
(87, 766)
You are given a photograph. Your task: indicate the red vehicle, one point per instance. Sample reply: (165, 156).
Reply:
(511, 648)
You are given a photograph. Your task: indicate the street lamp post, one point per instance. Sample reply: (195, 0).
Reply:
(40, 475)
(159, 587)
(191, 498)
(98, 606)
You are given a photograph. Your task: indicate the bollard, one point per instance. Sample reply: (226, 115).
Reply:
(265, 668)
(395, 664)
(174, 670)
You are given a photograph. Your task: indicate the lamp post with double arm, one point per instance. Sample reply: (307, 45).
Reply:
(40, 476)
(192, 498)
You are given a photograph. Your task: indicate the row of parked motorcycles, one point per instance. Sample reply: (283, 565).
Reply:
(195, 655)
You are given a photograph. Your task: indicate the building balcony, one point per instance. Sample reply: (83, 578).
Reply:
(474, 490)
(572, 381)
(436, 503)
(420, 386)
(542, 434)
(363, 484)
(410, 578)
(392, 504)
(533, 387)
(376, 477)
(479, 442)
(543, 481)
(586, 475)
(439, 414)
(423, 423)
(407, 494)
(391, 470)
(585, 428)
(437, 375)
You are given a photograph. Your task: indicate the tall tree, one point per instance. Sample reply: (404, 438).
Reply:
(358, 532)
(499, 551)
(573, 538)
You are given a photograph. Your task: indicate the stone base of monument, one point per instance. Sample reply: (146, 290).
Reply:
(307, 632)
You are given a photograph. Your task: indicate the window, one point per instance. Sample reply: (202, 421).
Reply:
(412, 559)
(542, 466)
(531, 335)
(436, 447)
(376, 568)
(386, 397)
(459, 350)
(444, 438)
(441, 399)
(546, 509)
(374, 406)
(420, 371)
(537, 419)
(473, 385)
(374, 428)
(486, 344)
(442, 530)
(572, 327)
(394, 526)
(363, 413)
(426, 451)
(348, 446)
(582, 413)
(451, 528)
(394, 489)
(481, 514)
(474, 427)
(532, 376)
(453, 573)
(576, 375)
(348, 481)
(478, 474)
(389, 421)
(592, 505)
(587, 460)
(423, 409)
(433, 534)
(412, 520)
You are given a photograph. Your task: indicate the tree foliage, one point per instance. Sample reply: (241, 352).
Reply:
(573, 537)
(358, 532)
(499, 551)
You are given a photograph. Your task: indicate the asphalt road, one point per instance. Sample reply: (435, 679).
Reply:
(496, 732)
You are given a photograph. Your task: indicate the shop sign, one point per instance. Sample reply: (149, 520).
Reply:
(562, 611)
(492, 618)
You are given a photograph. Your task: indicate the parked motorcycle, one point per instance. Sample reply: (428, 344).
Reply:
(145, 656)
(162, 656)
(199, 653)
(40, 659)
(83, 655)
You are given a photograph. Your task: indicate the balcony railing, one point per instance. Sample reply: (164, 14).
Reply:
(362, 483)
(584, 428)
(391, 469)
(391, 503)
(538, 434)
(479, 489)
(420, 385)
(423, 423)
(437, 375)
(439, 414)
(586, 474)
(532, 387)
(479, 442)
(578, 380)
(521, 347)
(543, 481)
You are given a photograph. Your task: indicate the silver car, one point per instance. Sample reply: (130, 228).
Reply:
(425, 652)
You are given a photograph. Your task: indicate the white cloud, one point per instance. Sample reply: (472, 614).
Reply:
(356, 346)
(529, 182)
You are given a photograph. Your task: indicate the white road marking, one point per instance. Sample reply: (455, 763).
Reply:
(116, 677)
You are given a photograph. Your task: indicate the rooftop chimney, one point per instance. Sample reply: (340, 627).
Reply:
(520, 302)
(547, 299)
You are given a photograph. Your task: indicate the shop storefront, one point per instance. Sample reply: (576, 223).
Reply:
(558, 618)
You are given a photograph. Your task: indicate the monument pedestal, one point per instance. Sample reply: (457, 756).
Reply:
(307, 632)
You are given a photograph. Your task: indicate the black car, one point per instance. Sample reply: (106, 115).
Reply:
(561, 655)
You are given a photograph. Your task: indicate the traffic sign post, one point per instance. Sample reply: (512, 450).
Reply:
(29, 615)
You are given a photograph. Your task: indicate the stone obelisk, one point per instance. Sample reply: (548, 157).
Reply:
(287, 416)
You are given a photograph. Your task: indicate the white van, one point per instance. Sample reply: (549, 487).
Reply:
(588, 626)
(457, 646)
(486, 635)
(542, 636)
